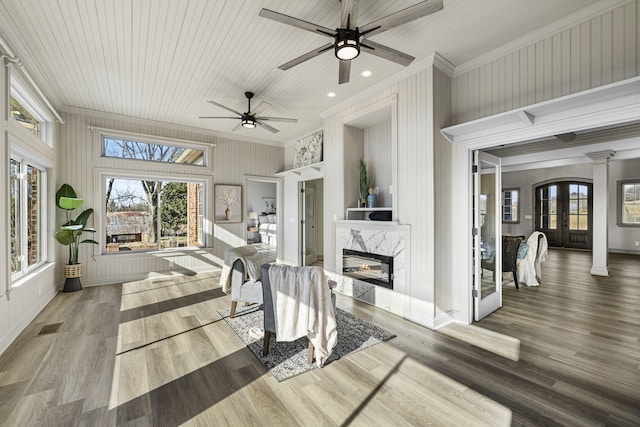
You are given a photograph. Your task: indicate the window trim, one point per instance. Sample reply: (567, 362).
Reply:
(102, 174)
(619, 201)
(517, 220)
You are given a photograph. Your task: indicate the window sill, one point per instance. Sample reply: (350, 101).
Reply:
(168, 252)
(32, 274)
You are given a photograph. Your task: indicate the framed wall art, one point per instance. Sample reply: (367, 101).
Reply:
(227, 203)
(308, 150)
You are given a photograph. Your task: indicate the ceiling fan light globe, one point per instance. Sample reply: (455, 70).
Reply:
(248, 123)
(347, 45)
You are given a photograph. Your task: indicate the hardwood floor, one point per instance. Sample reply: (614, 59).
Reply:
(156, 352)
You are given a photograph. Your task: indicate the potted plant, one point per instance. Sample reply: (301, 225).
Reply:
(69, 235)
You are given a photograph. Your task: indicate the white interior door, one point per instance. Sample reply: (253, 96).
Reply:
(487, 241)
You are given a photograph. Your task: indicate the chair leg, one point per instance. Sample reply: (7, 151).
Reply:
(232, 313)
(265, 347)
(311, 351)
(515, 279)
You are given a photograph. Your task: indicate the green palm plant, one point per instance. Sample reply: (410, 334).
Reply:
(72, 229)
(363, 185)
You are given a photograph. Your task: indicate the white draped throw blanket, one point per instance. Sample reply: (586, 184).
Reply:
(529, 267)
(302, 307)
(251, 259)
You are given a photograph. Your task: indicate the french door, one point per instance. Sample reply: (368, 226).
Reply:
(564, 213)
(487, 241)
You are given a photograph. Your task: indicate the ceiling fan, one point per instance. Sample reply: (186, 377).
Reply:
(349, 39)
(250, 119)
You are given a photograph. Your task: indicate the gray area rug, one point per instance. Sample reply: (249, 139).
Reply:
(288, 359)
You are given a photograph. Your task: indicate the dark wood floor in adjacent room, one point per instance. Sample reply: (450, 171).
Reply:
(156, 352)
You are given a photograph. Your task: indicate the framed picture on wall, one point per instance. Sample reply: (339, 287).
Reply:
(308, 150)
(227, 203)
(268, 205)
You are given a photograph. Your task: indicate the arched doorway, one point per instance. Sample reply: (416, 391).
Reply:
(564, 212)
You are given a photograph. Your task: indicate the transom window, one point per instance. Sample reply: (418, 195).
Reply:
(143, 214)
(123, 148)
(629, 203)
(510, 211)
(27, 205)
(24, 117)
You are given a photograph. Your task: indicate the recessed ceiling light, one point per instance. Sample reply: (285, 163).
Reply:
(331, 94)
(366, 73)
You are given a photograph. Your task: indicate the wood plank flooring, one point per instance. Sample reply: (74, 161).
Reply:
(156, 352)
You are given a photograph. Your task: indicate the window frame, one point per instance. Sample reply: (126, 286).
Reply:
(620, 201)
(25, 159)
(512, 221)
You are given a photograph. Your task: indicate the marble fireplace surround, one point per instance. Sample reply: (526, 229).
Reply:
(382, 238)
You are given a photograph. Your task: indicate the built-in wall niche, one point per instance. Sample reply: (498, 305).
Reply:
(371, 134)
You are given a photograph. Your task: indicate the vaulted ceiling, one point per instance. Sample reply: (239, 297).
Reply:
(163, 59)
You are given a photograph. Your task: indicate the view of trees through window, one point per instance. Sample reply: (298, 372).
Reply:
(148, 214)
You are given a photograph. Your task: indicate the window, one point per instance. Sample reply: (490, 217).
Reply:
(27, 220)
(578, 207)
(24, 117)
(510, 211)
(123, 148)
(149, 214)
(548, 199)
(629, 203)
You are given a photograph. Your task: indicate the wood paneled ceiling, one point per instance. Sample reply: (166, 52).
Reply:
(163, 59)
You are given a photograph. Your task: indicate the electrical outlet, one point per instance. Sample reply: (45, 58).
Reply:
(637, 242)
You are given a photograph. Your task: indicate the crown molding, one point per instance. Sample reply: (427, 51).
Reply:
(596, 9)
(433, 60)
(165, 125)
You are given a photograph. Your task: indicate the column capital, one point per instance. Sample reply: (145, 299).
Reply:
(601, 157)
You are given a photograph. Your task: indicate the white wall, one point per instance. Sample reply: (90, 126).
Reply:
(231, 161)
(377, 152)
(596, 52)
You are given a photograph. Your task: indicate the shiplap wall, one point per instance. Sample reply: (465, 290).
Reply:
(231, 160)
(377, 153)
(414, 194)
(602, 50)
(353, 152)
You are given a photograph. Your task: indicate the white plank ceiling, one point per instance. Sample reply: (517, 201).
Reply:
(163, 59)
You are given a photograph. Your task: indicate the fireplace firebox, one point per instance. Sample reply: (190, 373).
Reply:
(368, 267)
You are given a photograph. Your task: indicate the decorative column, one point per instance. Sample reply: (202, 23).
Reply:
(600, 206)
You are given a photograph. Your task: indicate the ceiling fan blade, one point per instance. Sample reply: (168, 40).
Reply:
(267, 127)
(238, 126)
(344, 71)
(217, 117)
(306, 57)
(386, 52)
(349, 14)
(277, 119)
(226, 108)
(402, 17)
(295, 22)
(259, 108)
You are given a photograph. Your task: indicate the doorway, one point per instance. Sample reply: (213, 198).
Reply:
(311, 223)
(563, 212)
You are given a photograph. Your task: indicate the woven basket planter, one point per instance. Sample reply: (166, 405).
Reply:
(72, 270)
